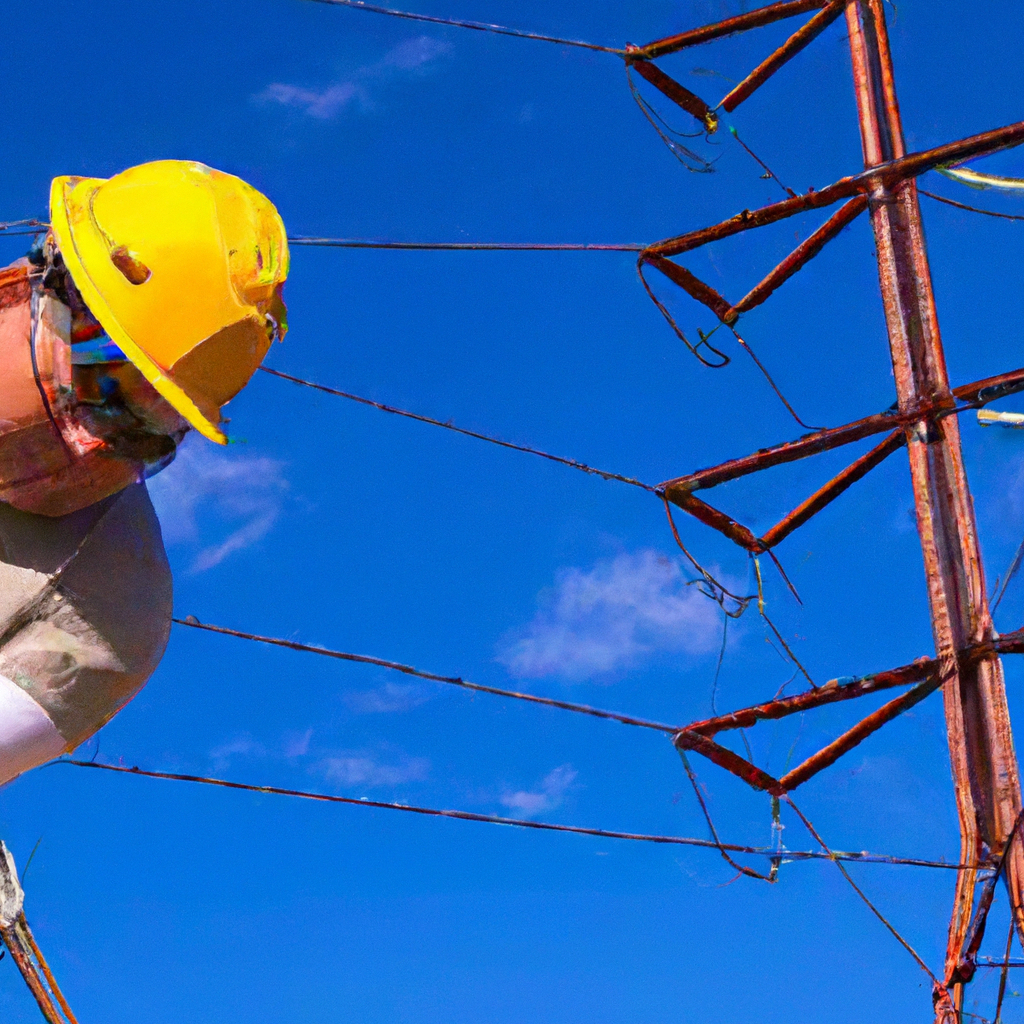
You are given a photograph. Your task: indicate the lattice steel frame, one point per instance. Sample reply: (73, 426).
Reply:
(967, 665)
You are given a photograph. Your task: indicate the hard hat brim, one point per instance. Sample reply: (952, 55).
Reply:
(77, 244)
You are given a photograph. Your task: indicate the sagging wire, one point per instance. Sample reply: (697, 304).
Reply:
(745, 345)
(881, 917)
(365, 659)
(573, 463)
(748, 872)
(777, 829)
(718, 672)
(708, 585)
(796, 740)
(714, 683)
(693, 162)
(722, 358)
(493, 819)
(717, 592)
(31, 226)
(478, 26)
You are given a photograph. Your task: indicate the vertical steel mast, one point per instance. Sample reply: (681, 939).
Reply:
(966, 665)
(981, 750)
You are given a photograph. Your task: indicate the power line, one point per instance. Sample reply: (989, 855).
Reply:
(408, 670)
(970, 209)
(28, 226)
(582, 466)
(370, 243)
(544, 826)
(31, 226)
(479, 26)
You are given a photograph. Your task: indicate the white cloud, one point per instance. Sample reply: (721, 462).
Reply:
(362, 769)
(240, 746)
(207, 490)
(546, 797)
(602, 620)
(343, 768)
(296, 744)
(390, 697)
(324, 104)
(409, 57)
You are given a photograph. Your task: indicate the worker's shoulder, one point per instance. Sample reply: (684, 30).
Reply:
(15, 286)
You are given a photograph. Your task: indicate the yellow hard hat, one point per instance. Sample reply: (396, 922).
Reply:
(183, 267)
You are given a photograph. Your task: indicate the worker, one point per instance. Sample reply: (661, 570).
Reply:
(147, 307)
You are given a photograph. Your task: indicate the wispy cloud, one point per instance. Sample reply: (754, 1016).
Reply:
(363, 769)
(391, 697)
(207, 492)
(296, 744)
(241, 746)
(599, 621)
(344, 769)
(547, 796)
(407, 58)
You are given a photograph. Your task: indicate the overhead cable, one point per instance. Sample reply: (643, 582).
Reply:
(970, 209)
(370, 243)
(478, 26)
(583, 467)
(28, 226)
(544, 826)
(408, 670)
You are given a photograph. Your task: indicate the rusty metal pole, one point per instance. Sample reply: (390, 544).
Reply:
(981, 750)
(17, 937)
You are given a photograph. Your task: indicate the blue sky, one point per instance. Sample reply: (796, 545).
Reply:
(333, 523)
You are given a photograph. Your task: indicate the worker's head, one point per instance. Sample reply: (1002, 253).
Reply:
(183, 267)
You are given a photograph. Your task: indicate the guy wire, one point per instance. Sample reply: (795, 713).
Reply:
(479, 26)
(494, 819)
(583, 467)
(408, 670)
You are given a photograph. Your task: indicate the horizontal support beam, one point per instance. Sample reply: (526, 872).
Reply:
(730, 26)
(972, 395)
(830, 693)
(890, 173)
(926, 673)
(796, 260)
